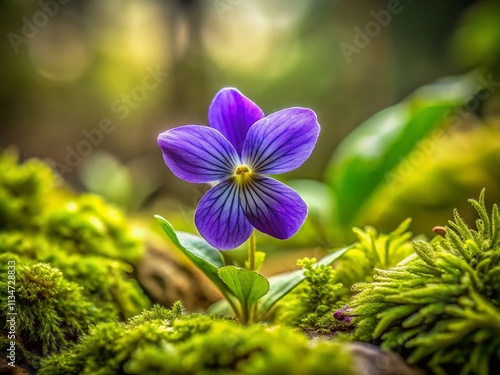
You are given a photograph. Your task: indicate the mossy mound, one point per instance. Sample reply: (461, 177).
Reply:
(24, 190)
(164, 341)
(441, 306)
(73, 258)
(104, 281)
(436, 302)
(48, 313)
(32, 201)
(88, 226)
(310, 307)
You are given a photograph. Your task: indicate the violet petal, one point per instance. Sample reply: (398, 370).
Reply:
(281, 141)
(272, 207)
(233, 114)
(220, 219)
(197, 153)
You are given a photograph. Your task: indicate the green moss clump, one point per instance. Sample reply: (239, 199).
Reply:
(74, 257)
(326, 289)
(86, 225)
(311, 306)
(50, 310)
(374, 250)
(105, 281)
(22, 354)
(23, 190)
(163, 341)
(440, 306)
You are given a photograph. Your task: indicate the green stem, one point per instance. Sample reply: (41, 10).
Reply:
(251, 251)
(233, 305)
(245, 316)
(253, 313)
(248, 313)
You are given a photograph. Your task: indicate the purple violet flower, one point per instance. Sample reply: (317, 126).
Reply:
(236, 152)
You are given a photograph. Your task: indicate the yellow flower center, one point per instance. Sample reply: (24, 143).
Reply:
(242, 174)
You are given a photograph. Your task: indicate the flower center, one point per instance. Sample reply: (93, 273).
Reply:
(242, 174)
(242, 169)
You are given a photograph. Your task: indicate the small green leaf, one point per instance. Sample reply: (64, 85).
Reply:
(247, 285)
(204, 256)
(281, 285)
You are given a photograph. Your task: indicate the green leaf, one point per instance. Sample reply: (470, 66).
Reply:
(247, 285)
(364, 160)
(204, 256)
(281, 285)
(199, 247)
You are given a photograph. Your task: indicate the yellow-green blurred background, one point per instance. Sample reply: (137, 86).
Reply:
(139, 67)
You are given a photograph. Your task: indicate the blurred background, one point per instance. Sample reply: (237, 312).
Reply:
(88, 86)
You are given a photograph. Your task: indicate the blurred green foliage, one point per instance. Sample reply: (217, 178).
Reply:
(428, 191)
(23, 192)
(477, 37)
(364, 160)
(418, 158)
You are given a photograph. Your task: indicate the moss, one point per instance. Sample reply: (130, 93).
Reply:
(374, 250)
(441, 306)
(105, 281)
(326, 290)
(163, 341)
(50, 309)
(158, 313)
(310, 307)
(30, 201)
(23, 190)
(86, 225)
(74, 259)
(22, 354)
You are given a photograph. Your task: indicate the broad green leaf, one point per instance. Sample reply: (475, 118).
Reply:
(365, 158)
(281, 285)
(247, 285)
(204, 256)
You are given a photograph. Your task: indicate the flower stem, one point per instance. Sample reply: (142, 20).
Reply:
(251, 251)
(245, 315)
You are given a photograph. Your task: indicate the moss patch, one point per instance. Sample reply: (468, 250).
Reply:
(163, 341)
(74, 256)
(441, 306)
